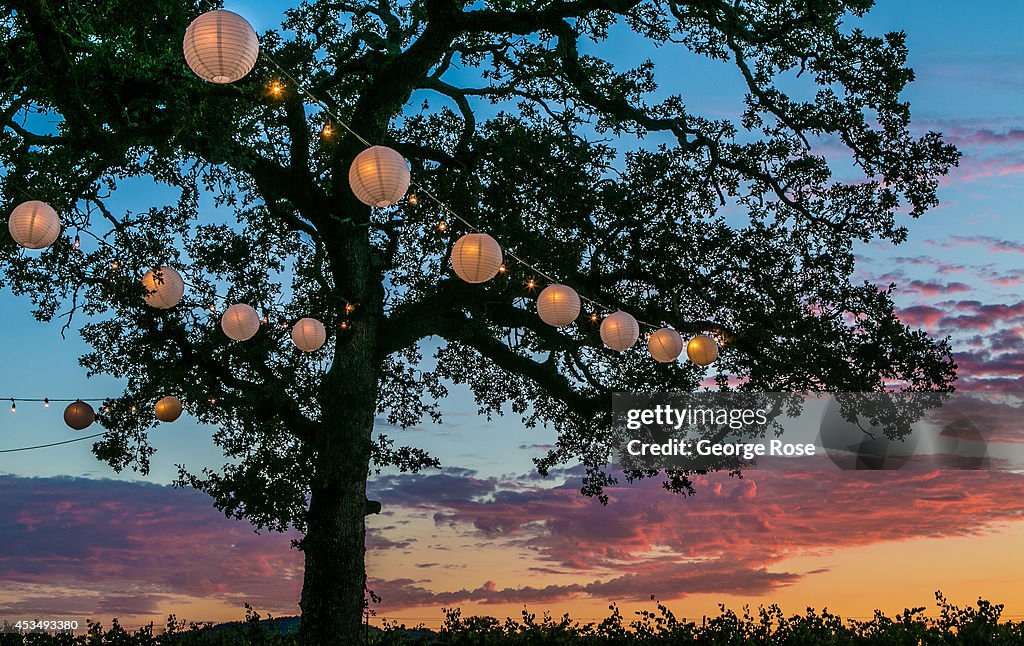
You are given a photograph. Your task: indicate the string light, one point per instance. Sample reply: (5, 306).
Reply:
(531, 284)
(413, 199)
(344, 325)
(327, 131)
(46, 402)
(115, 265)
(14, 407)
(213, 307)
(276, 88)
(442, 226)
(502, 268)
(349, 308)
(78, 242)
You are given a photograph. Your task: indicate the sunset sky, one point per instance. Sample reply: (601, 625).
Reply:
(486, 534)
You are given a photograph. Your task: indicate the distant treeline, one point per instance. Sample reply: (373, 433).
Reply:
(979, 624)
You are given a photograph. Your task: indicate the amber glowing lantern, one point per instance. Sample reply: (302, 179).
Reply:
(665, 345)
(240, 322)
(168, 409)
(558, 305)
(309, 335)
(34, 224)
(476, 257)
(79, 415)
(164, 287)
(619, 331)
(379, 176)
(702, 350)
(221, 46)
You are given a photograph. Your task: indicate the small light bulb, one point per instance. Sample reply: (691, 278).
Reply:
(46, 402)
(213, 400)
(349, 307)
(530, 284)
(327, 131)
(593, 318)
(14, 407)
(115, 265)
(276, 88)
(502, 268)
(78, 241)
(134, 408)
(442, 226)
(213, 307)
(413, 199)
(344, 325)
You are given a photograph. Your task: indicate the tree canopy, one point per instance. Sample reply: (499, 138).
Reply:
(520, 117)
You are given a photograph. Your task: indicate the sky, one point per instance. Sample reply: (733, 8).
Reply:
(486, 534)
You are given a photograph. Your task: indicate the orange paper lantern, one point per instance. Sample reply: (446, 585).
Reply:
(168, 409)
(79, 415)
(702, 350)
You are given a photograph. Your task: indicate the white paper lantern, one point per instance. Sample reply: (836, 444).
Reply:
(702, 350)
(665, 345)
(476, 257)
(79, 415)
(379, 176)
(558, 305)
(164, 288)
(34, 224)
(309, 335)
(168, 409)
(619, 331)
(240, 322)
(221, 46)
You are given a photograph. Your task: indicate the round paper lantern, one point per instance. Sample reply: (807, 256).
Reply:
(619, 331)
(379, 176)
(665, 345)
(221, 46)
(164, 288)
(168, 409)
(702, 350)
(309, 335)
(476, 257)
(558, 305)
(79, 415)
(34, 224)
(240, 322)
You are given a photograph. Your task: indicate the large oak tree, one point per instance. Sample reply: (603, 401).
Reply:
(517, 115)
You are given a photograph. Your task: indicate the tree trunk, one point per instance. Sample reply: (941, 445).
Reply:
(333, 586)
(334, 583)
